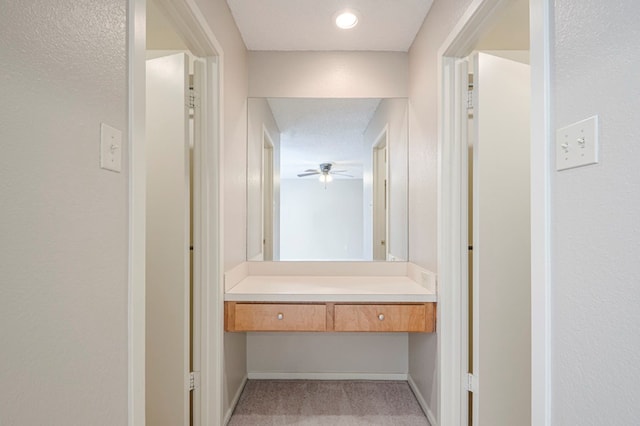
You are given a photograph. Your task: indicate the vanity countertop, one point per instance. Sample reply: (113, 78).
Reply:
(313, 288)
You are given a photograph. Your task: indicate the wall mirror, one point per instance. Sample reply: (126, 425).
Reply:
(327, 179)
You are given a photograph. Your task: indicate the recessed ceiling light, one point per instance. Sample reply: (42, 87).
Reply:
(346, 19)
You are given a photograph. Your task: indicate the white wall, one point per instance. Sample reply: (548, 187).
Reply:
(595, 290)
(63, 220)
(328, 74)
(260, 119)
(234, 123)
(423, 169)
(337, 355)
(318, 223)
(391, 113)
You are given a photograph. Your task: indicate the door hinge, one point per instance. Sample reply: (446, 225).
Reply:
(194, 380)
(472, 383)
(470, 98)
(193, 100)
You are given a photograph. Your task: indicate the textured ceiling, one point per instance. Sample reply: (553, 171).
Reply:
(389, 25)
(315, 131)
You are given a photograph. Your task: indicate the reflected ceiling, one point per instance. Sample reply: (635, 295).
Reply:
(315, 131)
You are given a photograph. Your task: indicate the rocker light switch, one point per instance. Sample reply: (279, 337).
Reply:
(577, 144)
(110, 148)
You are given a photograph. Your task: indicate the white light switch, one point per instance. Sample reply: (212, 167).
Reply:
(577, 144)
(110, 148)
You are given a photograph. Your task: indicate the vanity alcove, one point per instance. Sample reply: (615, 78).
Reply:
(326, 290)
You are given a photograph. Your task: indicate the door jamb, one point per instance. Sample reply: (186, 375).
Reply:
(450, 245)
(382, 140)
(267, 140)
(200, 39)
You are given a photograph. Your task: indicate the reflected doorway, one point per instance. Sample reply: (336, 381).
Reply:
(267, 197)
(380, 216)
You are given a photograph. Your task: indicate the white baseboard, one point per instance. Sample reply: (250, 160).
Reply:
(422, 402)
(326, 376)
(234, 401)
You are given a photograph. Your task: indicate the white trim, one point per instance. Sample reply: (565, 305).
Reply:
(423, 404)
(265, 135)
(379, 142)
(449, 251)
(213, 291)
(234, 401)
(459, 44)
(136, 21)
(200, 210)
(276, 375)
(201, 41)
(540, 12)
(191, 24)
(461, 125)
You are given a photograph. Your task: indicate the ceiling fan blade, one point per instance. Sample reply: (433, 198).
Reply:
(341, 174)
(312, 170)
(308, 174)
(338, 171)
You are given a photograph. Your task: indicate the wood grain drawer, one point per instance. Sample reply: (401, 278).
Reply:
(385, 318)
(275, 317)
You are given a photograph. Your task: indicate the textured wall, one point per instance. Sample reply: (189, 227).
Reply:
(423, 172)
(63, 220)
(596, 233)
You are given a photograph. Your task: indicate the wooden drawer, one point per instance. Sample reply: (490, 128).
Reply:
(275, 317)
(385, 318)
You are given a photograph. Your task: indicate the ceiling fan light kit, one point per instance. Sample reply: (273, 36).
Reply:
(325, 171)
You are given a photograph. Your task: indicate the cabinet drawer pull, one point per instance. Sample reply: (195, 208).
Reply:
(280, 316)
(381, 317)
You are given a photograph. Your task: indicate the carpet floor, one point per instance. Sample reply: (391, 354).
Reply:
(335, 403)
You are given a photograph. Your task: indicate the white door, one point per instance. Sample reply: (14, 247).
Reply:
(167, 247)
(501, 243)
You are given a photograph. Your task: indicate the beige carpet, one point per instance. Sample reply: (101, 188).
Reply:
(335, 403)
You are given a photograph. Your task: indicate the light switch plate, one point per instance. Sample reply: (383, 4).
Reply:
(577, 144)
(110, 148)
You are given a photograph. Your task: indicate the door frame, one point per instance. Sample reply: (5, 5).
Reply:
(201, 41)
(452, 248)
(381, 142)
(267, 196)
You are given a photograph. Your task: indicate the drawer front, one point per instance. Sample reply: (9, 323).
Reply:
(280, 317)
(408, 318)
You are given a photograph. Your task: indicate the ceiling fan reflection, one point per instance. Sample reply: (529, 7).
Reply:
(325, 173)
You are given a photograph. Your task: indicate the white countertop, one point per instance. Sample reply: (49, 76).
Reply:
(302, 288)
